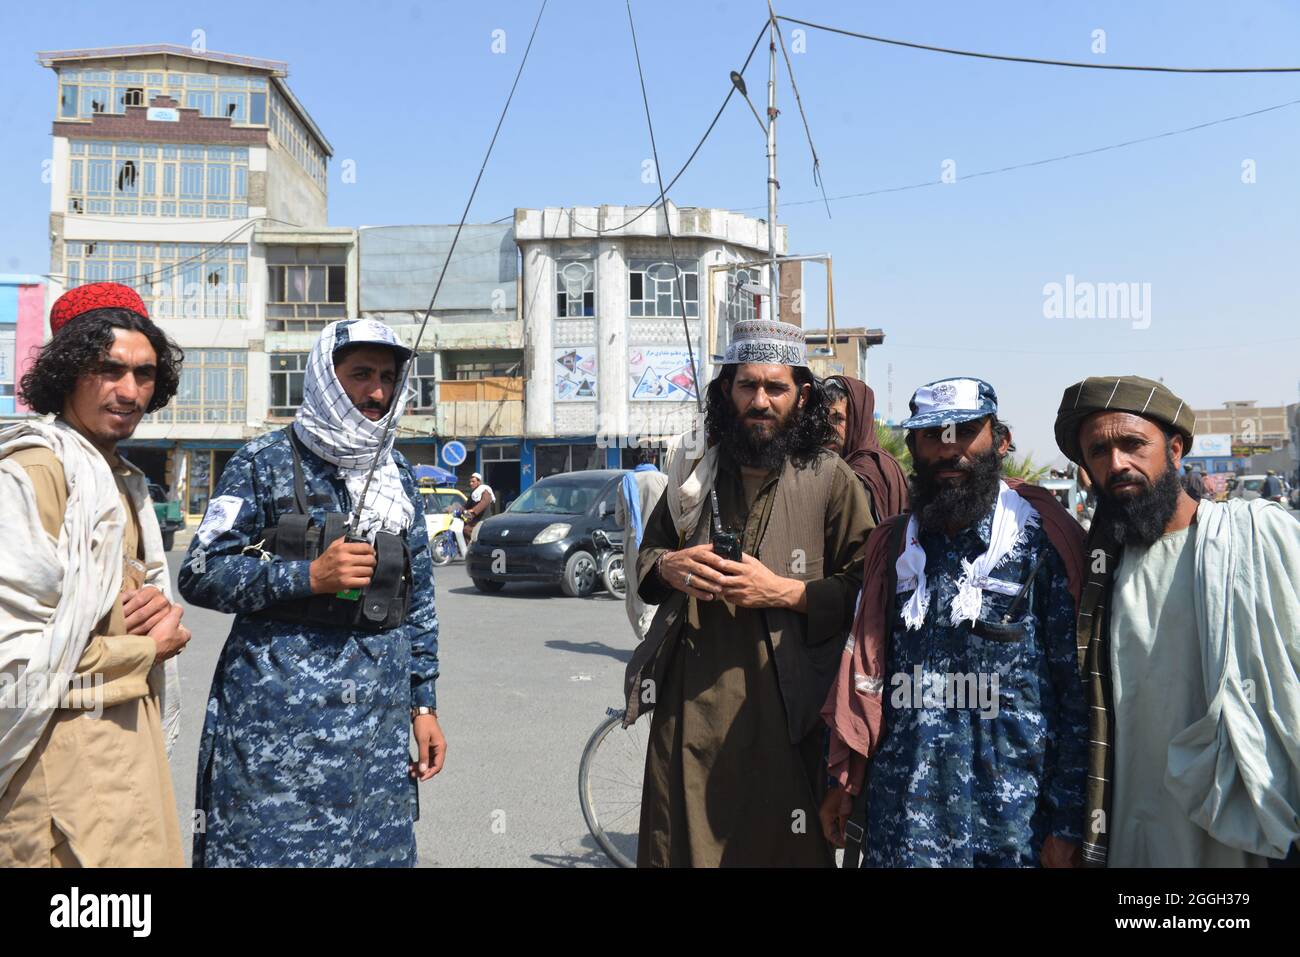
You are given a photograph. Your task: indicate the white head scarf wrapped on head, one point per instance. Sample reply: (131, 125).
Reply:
(331, 425)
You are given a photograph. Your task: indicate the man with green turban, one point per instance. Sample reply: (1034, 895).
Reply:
(1189, 631)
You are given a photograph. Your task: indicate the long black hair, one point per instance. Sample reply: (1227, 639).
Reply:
(809, 432)
(81, 346)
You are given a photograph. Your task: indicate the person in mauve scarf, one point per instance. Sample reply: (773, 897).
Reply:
(852, 407)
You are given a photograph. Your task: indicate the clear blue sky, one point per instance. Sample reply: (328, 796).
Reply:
(954, 274)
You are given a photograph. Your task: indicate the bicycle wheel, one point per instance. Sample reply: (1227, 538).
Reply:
(609, 786)
(615, 576)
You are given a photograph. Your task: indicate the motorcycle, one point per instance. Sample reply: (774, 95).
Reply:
(609, 563)
(446, 535)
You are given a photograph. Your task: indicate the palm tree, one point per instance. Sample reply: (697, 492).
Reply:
(893, 443)
(1023, 468)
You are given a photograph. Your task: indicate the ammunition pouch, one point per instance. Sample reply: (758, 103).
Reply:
(383, 604)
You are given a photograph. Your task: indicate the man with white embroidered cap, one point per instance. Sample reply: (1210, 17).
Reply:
(330, 666)
(741, 650)
(958, 683)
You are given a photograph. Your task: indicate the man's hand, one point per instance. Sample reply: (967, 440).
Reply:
(749, 583)
(144, 608)
(431, 744)
(695, 571)
(342, 566)
(1058, 852)
(834, 813)
(169, 635)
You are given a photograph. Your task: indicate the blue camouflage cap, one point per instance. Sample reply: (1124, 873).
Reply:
(947, 401)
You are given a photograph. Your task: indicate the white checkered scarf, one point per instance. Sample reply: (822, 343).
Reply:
(333, 427)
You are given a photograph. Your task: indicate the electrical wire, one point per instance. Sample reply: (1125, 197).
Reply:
(415, 348)
(663, 195)
(817, 177)
(671, 183)
(1043, 162)
(1218, 347)
(1039, 60)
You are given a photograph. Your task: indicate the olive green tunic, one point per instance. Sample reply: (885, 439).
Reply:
(724, 784)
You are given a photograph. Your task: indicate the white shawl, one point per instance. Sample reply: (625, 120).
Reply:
(1012, 517)
(52, 594)
(1236, 771)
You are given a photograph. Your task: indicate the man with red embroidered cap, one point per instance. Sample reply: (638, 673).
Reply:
(87, 625)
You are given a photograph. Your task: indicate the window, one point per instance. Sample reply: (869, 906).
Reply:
(652, 289)
(213, 180)
(8, 340)
(293, 136)
(211, 388)
(176, 280)
(554, 459)
(306, 286)
(424, 383)
(288, 369)
(740, 304)
(481, 368)
(239, 98)
(575, 289)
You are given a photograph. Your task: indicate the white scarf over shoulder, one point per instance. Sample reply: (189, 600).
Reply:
(54, 593)
(1012, 517)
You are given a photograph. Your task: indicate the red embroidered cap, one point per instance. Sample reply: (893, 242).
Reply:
(94, 295)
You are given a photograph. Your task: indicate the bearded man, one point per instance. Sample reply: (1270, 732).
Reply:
(959, 681)
(741, 650)
(1189, 635)
(304, 758)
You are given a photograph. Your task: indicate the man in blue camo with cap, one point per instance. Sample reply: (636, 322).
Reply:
(981, 760)
(305, 754)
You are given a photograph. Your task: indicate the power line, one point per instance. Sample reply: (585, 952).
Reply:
(1046, 161)
(1038, 60)
(671, 183)
(663, 196)
(817, 163)
(415, 348)
(1217, 347)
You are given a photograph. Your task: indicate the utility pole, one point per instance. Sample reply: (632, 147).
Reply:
(774, 278)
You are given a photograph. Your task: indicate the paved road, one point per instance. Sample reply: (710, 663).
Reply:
(526, 676)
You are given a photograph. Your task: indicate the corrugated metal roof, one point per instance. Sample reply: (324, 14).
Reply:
(400, 265)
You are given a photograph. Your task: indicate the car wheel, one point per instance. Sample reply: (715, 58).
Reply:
(580, 572)
(169, 539)
(487, 586)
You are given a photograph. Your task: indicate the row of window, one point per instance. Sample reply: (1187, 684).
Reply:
(293, 136)
(83, 93)
(175, 280)
(652, 290)
(149, 180)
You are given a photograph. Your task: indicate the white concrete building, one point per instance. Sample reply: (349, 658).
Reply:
(200, 180)
(607, 362)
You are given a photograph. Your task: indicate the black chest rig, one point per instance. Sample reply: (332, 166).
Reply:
(383, 603)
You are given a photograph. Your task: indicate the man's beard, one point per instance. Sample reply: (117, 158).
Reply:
(940, 505)
(750, 446)
(1141, 518)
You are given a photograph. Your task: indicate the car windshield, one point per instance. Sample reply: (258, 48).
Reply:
(560, 498)
(1254, 485)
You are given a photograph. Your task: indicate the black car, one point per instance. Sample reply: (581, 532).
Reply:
(546, 534)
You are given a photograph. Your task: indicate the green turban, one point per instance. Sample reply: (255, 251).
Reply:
(1129, 393)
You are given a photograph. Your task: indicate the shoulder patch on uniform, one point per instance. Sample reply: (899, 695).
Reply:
(220, 517)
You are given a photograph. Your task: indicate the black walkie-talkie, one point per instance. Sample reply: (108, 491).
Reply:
(726, 544)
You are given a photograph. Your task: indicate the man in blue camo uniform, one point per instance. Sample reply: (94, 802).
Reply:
(305, 754)
(982, 761)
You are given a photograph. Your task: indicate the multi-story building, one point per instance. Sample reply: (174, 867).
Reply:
(847, 355)
(199, 179)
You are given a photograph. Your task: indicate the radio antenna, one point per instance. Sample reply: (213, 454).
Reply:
(415, 349)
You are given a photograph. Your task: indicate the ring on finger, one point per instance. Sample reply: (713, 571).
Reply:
(689, 576)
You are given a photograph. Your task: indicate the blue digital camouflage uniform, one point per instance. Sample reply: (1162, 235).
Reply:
(306, 742)
(949, 787)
